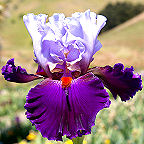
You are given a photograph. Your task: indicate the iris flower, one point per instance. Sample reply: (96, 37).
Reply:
(71, 94)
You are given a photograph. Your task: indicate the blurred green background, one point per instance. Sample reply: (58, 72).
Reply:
(122, 123)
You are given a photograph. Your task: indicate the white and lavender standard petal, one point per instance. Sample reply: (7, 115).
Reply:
(85, 27)
(56, 111)
(91, 24)
(53, 53)
(80, 32)
(57, 24)
(40, 31)
(74, 27)
(76, 51)
(17, 74)
(35, 25)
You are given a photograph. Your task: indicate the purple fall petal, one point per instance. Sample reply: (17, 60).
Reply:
(87, 97)
(17, 74)
(119, 81)
(56, 111)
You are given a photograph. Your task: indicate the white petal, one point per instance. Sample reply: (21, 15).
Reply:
(37, 28)
(35, 24)
(91, 25)
(57, 25)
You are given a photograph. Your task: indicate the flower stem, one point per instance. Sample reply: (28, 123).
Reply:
(78, 140)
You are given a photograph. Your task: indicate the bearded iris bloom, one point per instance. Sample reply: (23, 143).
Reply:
(67, 101)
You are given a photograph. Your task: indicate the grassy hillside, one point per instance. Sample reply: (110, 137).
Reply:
(122, 123)
(16, 41)
(119, 45)
(124, 43)
(64, 6)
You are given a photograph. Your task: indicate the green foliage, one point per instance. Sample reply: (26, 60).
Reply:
(13, 134)
(78, 140)
(13, 99)
(122, 123)
(120, 12)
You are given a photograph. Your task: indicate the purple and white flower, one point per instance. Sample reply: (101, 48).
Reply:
(67, 101)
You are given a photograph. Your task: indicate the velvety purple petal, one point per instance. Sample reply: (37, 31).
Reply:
(119, 81)
(17, 74)
(87, 97)
(57, 111)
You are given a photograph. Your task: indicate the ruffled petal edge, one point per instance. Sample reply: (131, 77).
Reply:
(119, 80)
(17, 74)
